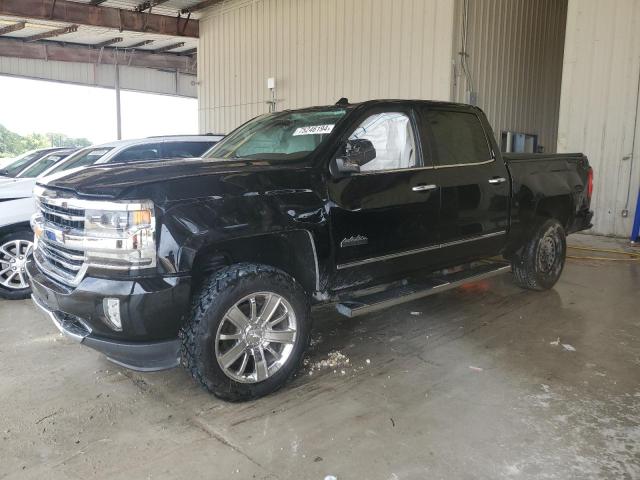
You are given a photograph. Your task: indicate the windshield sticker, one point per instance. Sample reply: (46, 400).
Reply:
(313, 130)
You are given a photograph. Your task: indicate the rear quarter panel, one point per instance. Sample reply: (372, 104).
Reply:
(540, 180)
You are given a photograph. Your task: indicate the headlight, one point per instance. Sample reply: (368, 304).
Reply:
(121, 239)
(73, 234)
(115, 224)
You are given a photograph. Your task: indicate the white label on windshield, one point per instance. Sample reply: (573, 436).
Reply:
(313, 130)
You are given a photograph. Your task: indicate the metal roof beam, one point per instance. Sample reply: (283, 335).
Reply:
(51, 33)
(169, 47)
(12, 28)
(97, 16)
(199, 6)
(106, 43)
(47, 50)
(148, 5)
(140, 44)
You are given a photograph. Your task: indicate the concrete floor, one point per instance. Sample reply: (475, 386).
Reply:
(471, 383)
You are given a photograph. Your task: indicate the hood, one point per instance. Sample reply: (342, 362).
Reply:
(17, 188)
(4, 179)
(113, 181)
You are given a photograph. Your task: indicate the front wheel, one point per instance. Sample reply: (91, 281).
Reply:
(14, 250)
(248, 331)
(539, 263)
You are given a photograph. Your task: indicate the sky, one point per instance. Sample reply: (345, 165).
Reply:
(35, 106)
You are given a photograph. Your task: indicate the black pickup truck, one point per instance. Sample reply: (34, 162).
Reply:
(216, 262)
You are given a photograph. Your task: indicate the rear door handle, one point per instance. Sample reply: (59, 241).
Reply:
(497, 180)
(424, 188)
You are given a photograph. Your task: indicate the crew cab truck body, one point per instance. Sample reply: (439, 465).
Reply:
(217, 261)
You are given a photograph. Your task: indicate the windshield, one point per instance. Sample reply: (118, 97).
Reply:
(43, 164)
(83, 158)
(20, 163)
(278, 136)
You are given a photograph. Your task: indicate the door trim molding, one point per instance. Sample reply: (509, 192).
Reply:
(391, 256)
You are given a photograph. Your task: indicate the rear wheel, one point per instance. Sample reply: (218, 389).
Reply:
(538, 265)
(14, 250)
(248, 331)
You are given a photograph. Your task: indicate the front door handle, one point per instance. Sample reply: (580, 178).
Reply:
(497, 180)
(424, 188)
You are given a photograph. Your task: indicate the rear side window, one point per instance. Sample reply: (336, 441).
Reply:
(185, 149)
(458, 137)
(137, 153)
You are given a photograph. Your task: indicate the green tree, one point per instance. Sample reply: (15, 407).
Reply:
(9, 143)
(12, 144)
(61, 140)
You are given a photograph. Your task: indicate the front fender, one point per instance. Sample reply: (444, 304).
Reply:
(282, 228)
(16, 211)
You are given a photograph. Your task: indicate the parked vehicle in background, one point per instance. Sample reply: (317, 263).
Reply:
(17, 204)
(41, 165)
(18, 164)
(216, 262)
(16, 236)
(127, 151)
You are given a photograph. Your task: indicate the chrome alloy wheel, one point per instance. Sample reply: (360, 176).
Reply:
(13, 261)
(548, 252)
(256, 337)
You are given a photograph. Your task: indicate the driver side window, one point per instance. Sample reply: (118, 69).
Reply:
(391, 134)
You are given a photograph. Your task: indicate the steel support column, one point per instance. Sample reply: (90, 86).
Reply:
(118, 110)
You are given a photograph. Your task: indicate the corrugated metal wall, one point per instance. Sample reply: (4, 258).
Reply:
(599, 105)
(515, 50)
(131, 78)
(319, 51)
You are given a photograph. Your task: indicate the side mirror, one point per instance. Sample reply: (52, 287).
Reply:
(356, 153)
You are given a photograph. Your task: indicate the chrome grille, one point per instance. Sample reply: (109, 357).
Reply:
(70, 261)
(57, 261)
(66, 218)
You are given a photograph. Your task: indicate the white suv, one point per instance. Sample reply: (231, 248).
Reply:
(17, 204)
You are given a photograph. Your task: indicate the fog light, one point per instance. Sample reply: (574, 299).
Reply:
(111, 307)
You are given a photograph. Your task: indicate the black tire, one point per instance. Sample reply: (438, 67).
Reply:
(539, 263)
(6, 292)
(216, 295)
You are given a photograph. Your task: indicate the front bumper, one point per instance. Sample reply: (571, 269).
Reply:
(149, 311)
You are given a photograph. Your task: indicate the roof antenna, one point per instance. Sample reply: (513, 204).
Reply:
(343, 101)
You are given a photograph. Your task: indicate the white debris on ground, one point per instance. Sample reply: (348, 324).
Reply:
(565, 346)
(476, 369)
(330, 477)
(338, 362)
(416, 313)
(334, 360)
